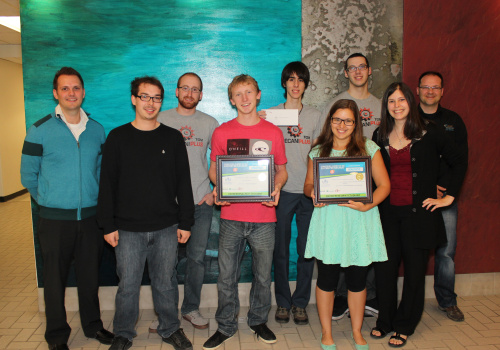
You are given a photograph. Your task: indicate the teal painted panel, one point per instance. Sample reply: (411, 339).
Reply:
(111, 42)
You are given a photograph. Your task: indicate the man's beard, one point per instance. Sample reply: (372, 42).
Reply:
(188, 105)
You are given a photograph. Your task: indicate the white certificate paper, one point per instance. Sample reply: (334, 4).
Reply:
(282, 117)
(342, 180)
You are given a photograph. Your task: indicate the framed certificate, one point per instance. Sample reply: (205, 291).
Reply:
(245, 178)
(340, 179)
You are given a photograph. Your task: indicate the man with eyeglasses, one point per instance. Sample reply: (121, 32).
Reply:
(357, 70)
(146, 208)
(196, 127)
(60, 166)
(430, 91)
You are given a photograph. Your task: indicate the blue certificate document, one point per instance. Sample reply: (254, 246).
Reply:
(245, 178)
(340, 179)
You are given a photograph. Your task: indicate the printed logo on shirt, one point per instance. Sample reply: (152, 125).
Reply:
(187, 132)
(189, 137)
(246, 147)
(449, 127)
(366, 117)
(297, 135)
(294, 130)
(260, 148)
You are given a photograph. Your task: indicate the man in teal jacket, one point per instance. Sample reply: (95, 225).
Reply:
(60, 167)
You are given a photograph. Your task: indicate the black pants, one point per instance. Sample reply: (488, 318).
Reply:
(399, 242)
(61, 242)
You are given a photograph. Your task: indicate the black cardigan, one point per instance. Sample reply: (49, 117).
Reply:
(428, 227)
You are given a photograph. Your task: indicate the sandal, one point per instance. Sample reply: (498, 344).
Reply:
(377, 329)
(398, 336)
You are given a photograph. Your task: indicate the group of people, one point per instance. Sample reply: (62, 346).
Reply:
(146, 188)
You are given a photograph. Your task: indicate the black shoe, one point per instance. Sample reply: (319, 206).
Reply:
(215, 341)
(104, 337)
(300, 316)
(340, 308)
(371, 308)
(178, 340)
(264, 333)
(58, 347)
(120, 343)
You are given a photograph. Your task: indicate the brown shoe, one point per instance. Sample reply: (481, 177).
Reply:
(453, 313)
(282, 315)
(300, 315)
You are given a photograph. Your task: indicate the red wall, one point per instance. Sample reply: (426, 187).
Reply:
(461, 39)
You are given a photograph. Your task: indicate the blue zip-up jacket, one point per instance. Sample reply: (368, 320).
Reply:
(61, 174)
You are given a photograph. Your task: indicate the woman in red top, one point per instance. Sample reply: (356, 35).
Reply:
(411, 149)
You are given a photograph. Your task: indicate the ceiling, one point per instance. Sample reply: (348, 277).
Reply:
(10, 40)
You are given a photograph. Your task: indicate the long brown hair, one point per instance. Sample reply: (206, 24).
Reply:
(356, 145)
(414, 125)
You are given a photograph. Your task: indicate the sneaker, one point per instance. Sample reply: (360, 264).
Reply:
(196, 319)
(178, 340)
(120, 343)
(215, 341)
(453, 313)
(300, 315)
(153, 327)
(340, 308)
(282, 315)
(371, 308)
(264, 334)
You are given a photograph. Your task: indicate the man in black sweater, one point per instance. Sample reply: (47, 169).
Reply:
(430, 90)
(146, 207)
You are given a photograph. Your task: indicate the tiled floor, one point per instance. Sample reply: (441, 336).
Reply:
(22, 326)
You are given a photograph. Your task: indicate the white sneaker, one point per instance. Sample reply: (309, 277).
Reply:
(153, 327)
(196, 319)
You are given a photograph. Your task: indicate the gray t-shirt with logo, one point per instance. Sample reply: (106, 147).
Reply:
(197, 131)
(369, 109)
(298, 142)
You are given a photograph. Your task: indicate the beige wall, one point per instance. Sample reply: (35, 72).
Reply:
(12, 126)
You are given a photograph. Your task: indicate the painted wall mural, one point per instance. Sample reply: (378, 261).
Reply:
(112, 42)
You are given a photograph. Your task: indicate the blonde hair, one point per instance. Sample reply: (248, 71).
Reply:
(242, 79)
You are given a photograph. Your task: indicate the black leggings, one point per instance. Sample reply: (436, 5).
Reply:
(328, 277)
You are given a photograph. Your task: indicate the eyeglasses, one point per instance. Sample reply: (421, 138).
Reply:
(361, 68)
(433, 88)
(347, 122)
(146, 98)
(194, 90)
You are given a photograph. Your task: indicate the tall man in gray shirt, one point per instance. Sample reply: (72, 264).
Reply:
(196, 127)
(357, 69)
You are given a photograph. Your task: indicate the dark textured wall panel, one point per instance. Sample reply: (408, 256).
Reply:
(461, 39)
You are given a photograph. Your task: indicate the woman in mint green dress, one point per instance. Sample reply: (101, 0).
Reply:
(345, 236)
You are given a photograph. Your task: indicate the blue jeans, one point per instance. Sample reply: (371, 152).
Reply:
(195, 251)
(159, 248)
(233, 236)
(289, 205)
(444, 264)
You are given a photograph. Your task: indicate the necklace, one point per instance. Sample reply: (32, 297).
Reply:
(399, 138)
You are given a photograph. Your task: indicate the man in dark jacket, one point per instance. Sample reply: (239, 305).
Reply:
(430, 90)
